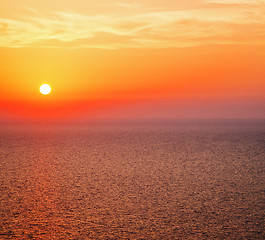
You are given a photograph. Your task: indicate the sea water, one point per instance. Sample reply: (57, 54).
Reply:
(133, 180)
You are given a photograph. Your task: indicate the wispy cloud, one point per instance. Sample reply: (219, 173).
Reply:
(149, 28)
(239, 2)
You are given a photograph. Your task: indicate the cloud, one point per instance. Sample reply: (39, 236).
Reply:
(239, 2)
(149, 28)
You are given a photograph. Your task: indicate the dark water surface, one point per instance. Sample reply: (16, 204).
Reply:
(156, 180)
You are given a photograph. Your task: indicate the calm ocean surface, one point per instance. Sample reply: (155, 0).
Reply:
(142, 180)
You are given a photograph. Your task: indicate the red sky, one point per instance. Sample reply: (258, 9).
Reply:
(132, 59)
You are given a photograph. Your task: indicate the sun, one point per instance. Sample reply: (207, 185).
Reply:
(45, 89)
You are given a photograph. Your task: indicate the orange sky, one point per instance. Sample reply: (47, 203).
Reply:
(132, 59)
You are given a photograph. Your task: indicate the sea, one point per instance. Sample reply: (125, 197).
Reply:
(141, 179)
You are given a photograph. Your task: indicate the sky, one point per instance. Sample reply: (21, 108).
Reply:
(132, 59)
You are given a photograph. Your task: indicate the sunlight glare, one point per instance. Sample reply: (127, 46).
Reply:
(45, 89)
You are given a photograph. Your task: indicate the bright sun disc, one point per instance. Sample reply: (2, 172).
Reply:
(45, 89)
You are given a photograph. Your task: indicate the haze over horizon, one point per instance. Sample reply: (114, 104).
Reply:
(132, 59)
